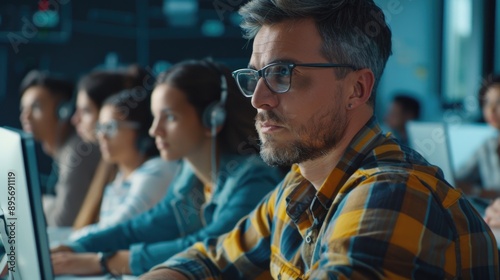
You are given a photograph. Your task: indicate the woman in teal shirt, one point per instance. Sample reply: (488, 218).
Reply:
(199, 117)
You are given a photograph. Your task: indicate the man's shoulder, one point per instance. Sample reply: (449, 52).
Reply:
(387, 184)
(389, 161)
(398, 174)
(389, 152)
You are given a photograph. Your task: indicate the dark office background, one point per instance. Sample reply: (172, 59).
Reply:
(74, 37)
(441, 48)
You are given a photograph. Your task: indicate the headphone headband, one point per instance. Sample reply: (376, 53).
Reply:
(223, 89)
(215, 114)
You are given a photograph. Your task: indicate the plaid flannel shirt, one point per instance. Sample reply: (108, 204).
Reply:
(383, 212)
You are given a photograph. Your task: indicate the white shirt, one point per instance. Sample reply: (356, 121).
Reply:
(126, 198)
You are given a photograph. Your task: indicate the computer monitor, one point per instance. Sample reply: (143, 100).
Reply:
(27, 251)
(466, 139)
(431, 140)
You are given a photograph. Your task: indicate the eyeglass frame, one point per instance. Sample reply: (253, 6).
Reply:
(114, 125)
(291, 66)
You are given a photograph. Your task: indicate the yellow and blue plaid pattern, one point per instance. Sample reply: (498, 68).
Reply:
(383, 213)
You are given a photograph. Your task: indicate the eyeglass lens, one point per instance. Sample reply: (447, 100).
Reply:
(107, 129)
(277, 77)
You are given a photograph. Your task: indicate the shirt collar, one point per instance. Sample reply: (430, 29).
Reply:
(303, 192)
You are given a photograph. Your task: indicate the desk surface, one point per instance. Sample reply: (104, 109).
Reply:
(58, 235)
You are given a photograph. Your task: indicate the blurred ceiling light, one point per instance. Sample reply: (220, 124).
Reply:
(181, 13)
(212, 28)
(161, 66)
(462, 17)
(235, 19)
(46, 19)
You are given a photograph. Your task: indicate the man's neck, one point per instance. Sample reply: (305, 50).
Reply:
(316, 171)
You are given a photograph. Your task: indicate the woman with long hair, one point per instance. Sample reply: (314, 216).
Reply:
(200, 118)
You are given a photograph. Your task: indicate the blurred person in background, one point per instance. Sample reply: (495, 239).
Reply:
(46, 108)
(92, 90)
(480, 175)
(492, 214)
(403, 109)
(201, 119)
(143, 177)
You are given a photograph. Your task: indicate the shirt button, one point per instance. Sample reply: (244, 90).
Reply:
(308, 237)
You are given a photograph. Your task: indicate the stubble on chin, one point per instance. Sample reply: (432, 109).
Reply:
(275, 153)
(307, 143)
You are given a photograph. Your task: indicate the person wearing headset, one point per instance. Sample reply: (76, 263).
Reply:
(143, 177)
(92, 90)
(46, 108)
(95, 87)
(201, 119)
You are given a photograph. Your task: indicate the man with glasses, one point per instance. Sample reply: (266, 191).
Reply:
(355, 205)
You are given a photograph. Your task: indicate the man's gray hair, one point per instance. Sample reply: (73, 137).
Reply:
(353, 31)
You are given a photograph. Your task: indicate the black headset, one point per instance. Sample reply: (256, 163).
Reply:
(214, 114)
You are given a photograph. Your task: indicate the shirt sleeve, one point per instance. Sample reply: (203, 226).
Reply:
(378, 232)
(243, 192)
(155, 225)
(76, 166)
(142, 228)
(146, 189)
(243, 253)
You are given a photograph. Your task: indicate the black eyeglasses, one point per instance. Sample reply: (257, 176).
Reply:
(110, 129)
(277, 76)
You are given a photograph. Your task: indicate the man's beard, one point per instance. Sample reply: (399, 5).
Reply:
(311, 141)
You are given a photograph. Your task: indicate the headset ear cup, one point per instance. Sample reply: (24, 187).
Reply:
(214, 115)
(218, 116)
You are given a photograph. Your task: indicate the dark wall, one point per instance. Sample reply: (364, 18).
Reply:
(135, 31)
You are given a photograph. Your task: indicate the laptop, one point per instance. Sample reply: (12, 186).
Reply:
(431, 140)
(449, 147)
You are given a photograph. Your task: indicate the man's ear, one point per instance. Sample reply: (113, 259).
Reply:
(363, 82)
